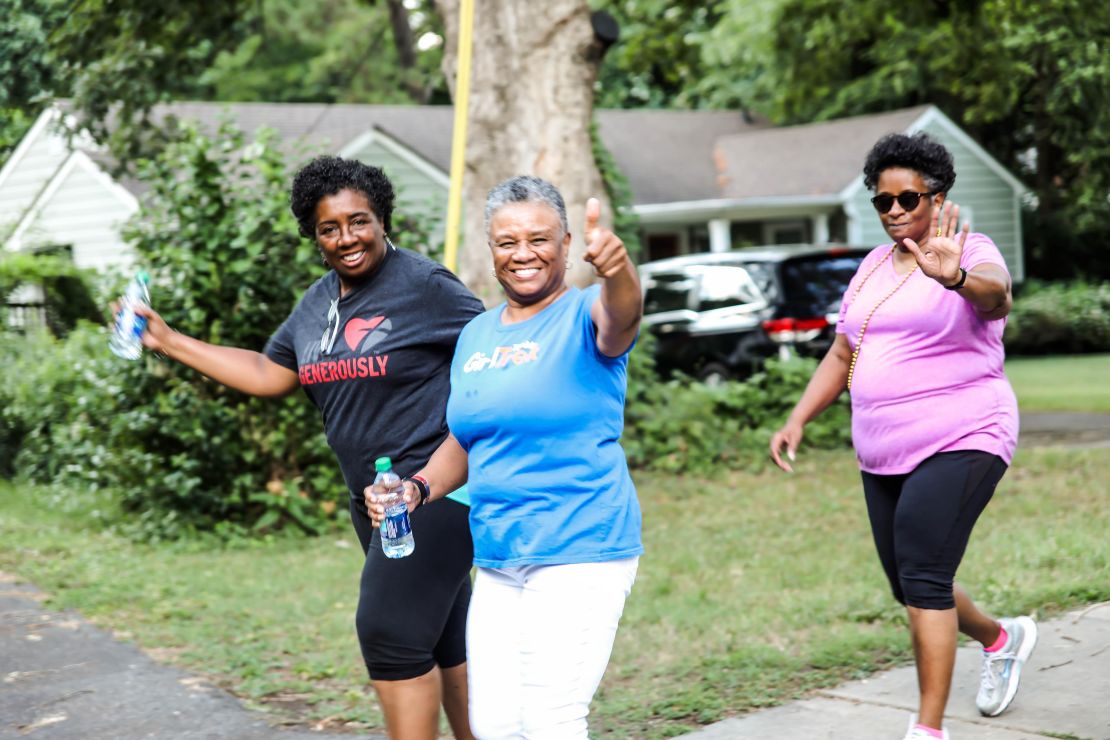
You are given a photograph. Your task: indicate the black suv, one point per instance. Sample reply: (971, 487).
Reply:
(719, 315)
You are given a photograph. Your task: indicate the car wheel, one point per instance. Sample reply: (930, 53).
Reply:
(714, 374)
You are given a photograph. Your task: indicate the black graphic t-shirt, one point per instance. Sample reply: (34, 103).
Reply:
(377, 361)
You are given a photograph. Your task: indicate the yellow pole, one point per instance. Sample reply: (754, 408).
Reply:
(458, 137)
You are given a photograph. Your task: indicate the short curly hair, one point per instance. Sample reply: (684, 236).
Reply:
(526, 189)
(325, 176)
(919, 152)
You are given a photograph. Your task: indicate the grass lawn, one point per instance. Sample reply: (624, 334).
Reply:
(755, 588)
(1061, 383)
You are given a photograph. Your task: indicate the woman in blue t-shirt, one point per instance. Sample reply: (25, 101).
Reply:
(536, 413)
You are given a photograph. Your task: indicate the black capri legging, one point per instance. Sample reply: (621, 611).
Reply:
(412, 611)
(922, 520)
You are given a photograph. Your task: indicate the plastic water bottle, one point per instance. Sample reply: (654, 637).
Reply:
(397, 539)
(127, 337)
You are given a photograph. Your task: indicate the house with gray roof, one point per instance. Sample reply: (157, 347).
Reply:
(700, 180)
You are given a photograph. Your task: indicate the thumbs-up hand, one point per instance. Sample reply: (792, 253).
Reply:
(604, 250)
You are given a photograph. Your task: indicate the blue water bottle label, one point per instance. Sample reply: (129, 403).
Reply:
(396, 522)
(138, 326)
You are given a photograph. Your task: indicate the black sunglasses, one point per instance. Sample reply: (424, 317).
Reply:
(908, 200)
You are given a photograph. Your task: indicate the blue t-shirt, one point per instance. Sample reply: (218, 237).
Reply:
(540, 410)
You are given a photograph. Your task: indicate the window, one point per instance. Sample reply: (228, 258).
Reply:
(786, 232)
(661, 246)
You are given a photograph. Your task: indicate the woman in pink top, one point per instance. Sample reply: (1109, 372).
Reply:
(934, 420)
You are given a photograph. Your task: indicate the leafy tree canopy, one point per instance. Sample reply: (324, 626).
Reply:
(343, 51)
(116, 59)
(1030, 81)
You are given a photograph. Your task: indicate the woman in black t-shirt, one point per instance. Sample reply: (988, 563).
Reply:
(371, 343)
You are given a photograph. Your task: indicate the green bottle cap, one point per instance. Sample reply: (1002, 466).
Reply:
(382, 464)
(144, 276)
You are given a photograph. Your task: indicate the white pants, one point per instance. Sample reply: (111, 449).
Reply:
(538, 639)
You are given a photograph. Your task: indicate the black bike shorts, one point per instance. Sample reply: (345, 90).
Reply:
(922, 521)
(411, 612)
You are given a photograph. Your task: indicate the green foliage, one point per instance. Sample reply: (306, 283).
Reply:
(1057, 318)
(114, 59)
(1030, 81)
(659, 61)
(682, 426)
(25, 63)
(67, 292)
(690, 54)
(14, 124)
(184, 453)
(227, 266)
(33, 267)
(333, 51)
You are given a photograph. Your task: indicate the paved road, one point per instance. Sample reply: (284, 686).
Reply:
(1071, 429)
(60, 677)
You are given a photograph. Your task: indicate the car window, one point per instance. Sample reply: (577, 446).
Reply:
(722, 286)
(668, 292)
(813, 286)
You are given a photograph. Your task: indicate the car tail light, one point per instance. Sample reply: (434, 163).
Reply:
(789, 330)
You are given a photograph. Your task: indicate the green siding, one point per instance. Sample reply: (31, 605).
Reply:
(991, 199)
(417, 192)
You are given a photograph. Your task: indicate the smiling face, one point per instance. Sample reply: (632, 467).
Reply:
(529, 253)
(349, 235)
(898, 222)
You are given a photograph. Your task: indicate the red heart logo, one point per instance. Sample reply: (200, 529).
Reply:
(356, 329)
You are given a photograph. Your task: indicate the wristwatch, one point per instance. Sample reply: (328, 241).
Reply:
(422, 486)
(959, 283)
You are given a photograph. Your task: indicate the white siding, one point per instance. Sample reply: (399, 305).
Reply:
(86, 214)
(29, 176)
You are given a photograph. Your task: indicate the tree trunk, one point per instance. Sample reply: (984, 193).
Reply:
(531, 104)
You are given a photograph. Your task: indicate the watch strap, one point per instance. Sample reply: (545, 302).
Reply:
(959, 283)
(422, 486)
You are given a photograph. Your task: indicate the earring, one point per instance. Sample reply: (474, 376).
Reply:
(568, 264)
(492, 272)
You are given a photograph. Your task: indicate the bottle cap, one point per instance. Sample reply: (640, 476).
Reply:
(143, 275)
(382, 464)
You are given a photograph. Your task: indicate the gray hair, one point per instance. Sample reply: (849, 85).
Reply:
(525, 189)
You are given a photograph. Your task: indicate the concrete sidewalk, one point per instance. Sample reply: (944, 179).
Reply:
(1065, 693)
(60, 677)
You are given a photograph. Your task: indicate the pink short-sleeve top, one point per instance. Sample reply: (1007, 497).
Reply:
(929, 376)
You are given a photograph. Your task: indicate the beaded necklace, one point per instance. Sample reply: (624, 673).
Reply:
(866, 321)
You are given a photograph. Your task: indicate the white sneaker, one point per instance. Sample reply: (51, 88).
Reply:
(998, 682)
(916, 733)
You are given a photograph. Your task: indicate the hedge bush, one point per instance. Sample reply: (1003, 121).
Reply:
(182, 453)
(684, 426)
(1059, 318)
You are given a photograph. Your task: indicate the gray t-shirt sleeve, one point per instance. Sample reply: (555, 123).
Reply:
(445, 295)
(280, 347)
